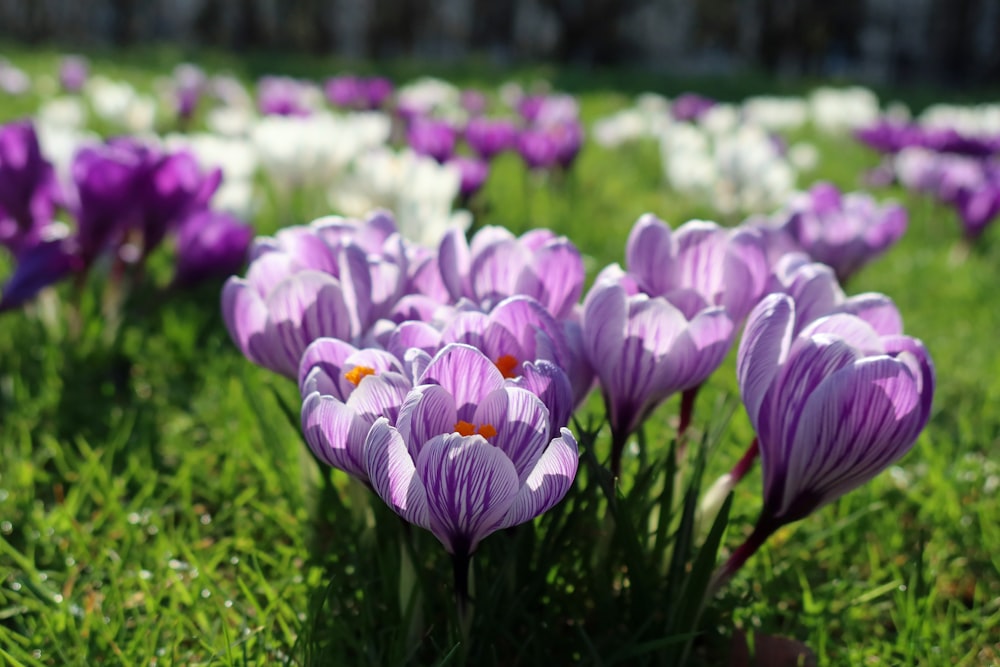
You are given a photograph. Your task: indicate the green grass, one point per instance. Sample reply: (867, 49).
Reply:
(157, 507)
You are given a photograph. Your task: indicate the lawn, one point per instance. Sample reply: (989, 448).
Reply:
(158, 505)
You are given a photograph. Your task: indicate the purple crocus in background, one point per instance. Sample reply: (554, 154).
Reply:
(189, 85)
(282, 96)
(832, 406)
(539, 148)
(29, 193)
(474, 172)
(45, 263)
(13, 80)
(73, 73)
(210, 244)
(346, 92)
(488, 137)
(469, 455)
(690, 106)
(844, 231)
(431, 137)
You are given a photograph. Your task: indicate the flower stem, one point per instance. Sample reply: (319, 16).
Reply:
(764, 529)
(746, 462)
(460, 562)
(618, 440)
(688, 397)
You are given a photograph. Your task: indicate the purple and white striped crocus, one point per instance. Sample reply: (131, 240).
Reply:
(496, 265)
(843, 231)
(344, 391)
(646, 348)
(832, 405)
(469, 454)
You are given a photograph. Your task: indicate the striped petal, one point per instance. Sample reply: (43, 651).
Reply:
(470, 487)
(522, 424)
(428, 410)
(548, 482)
(393, 474)
(466, 374)
(335, 433)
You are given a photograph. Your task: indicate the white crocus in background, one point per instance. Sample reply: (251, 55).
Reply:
(429, 94)
(66, 112)
(840, 110)
(417, 189)
(120, 105)
(776, 113)
(237, 159)
(313, 151)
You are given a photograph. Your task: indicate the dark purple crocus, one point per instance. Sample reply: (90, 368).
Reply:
(40, 265)
(832, 405)
(474, 172)
(568, 138)
(174, 187)
(690, 106)
(378, 90)
(844, 231)
(890, 137)
(73, 73)
(433, 138)
(489, 137)
(107, 178)
(29, 193)
(469, 455)
(210, 244)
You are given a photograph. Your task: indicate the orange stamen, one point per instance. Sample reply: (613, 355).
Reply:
(507, 365)
(358, 373)
(467, 429)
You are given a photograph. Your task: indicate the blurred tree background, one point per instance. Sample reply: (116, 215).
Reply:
(955, 42)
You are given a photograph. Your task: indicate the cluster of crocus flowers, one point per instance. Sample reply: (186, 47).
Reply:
(125, 196)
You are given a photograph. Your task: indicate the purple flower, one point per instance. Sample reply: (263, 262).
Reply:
(38, 266)
(346, 92)
(282, 96)
(73, 73)
(832, 405)
(474, 102)
(469, 455)
(210, 245)
(978, 207)
(539, 148)
(433, 138)
(489, 137)
(644, 349)
(345, 390)
(378, 89)
(497, 265)
(844, 231)
(700, 264)
(190, 83)
(568, 138)
(473, 171)
(28, 190)
(310, 282)
(887, 136)
(13, 80)
(174, 187)
(690, 106)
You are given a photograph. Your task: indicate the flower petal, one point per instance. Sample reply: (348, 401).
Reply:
(548, 481)
(522, 424)
(466, 374)
(393, 474)
(470, 487)
(336, 433)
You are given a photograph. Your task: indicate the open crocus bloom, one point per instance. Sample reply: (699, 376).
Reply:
(832, 405)
(469, 454)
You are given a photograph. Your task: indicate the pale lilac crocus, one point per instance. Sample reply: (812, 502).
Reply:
(845, 231)
(496, 265)
(433, 138)
(73, 73)
(474, 172)
(832, 405)
(469, 455)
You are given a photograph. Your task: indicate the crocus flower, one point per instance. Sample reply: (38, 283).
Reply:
(433, 138)
(13, 79)
(539, 148)
(690, 106)
(832, 405)
(469, 455)
(173, 188)
(73, 72)
(978, 207)
(210, 245)
(474, 172)
(282, 96)
(489, 137)
(189, 83)
(844, 231)
(28, 189)
(644, 349)
(346, 92)
(568, 137)
(497, 265)
(345, 390)
(377, 90)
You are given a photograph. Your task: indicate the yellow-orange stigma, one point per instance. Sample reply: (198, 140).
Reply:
(465, 428)
(358, 373)
(507, 365)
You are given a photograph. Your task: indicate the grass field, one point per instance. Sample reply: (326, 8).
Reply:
(157, 507)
